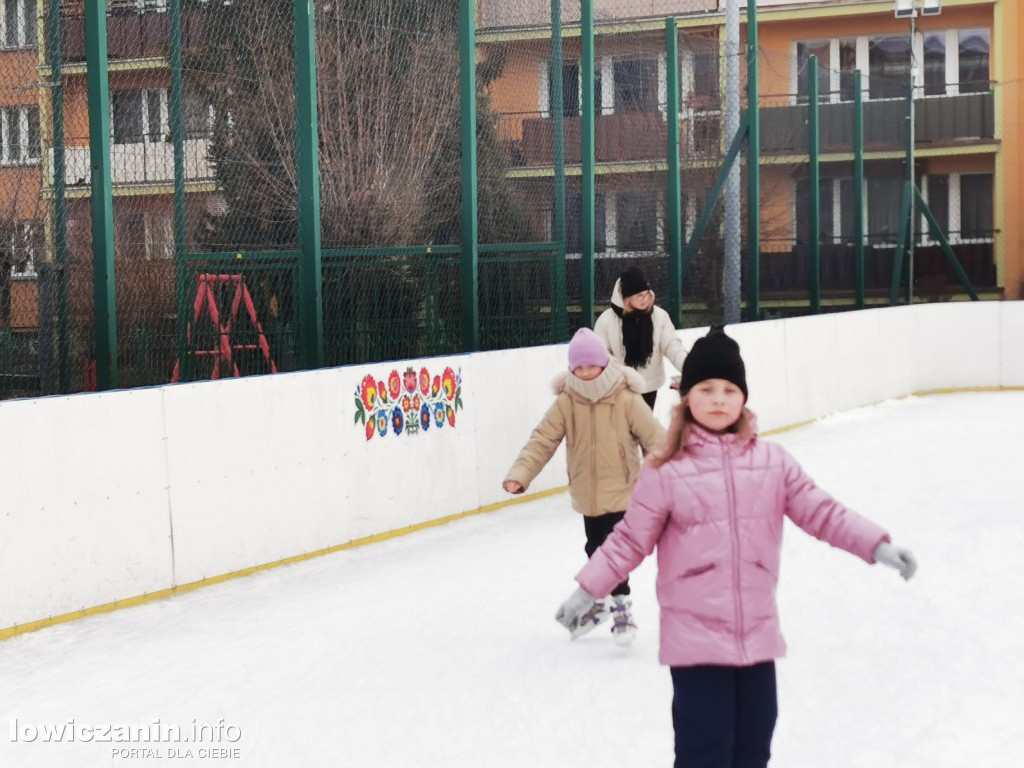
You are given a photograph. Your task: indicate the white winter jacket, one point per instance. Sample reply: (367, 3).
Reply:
(666, 342)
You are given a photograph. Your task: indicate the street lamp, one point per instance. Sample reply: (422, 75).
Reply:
(908, 9)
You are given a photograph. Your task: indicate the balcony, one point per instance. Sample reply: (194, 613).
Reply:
(537, 13)
(940, 120)
(130, 34)
(138, 163)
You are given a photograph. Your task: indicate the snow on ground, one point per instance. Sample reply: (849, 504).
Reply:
(439, 649)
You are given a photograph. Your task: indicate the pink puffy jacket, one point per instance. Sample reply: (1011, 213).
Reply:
(716, 517)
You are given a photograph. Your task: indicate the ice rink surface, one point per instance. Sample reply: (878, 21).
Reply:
(439, 649)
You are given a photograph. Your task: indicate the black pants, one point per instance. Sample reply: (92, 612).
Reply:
(724, 717)
(650, 397)
(598, 529)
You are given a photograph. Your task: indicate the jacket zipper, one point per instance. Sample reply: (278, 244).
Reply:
(734, 527)
(593, 460)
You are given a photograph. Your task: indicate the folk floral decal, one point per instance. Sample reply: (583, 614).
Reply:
(410, 403)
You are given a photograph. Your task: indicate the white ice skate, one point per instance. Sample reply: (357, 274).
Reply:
(623, 626)
(597, 613)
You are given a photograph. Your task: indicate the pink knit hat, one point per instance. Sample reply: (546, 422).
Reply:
(586, 348)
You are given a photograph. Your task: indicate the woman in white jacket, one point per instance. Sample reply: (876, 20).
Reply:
(640, 334)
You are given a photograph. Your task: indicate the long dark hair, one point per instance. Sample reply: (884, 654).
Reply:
(637, 335)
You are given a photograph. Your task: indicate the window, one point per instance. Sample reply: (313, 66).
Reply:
(937, 188)
(889, 67)
(636, 85)
(158, 235)
(836, 206)
(574, 223)
(976, 206)
(804, 51)
(17, 23)
(25, 246)
(884, 197)
(636, 221)
(935, 64)
(140, 116)
(705, 73)
(974, 53)
(19, 135)
(847, 66)
(198, 116)
(570, 90)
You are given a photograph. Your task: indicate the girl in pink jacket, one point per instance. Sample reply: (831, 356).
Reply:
(713, 502)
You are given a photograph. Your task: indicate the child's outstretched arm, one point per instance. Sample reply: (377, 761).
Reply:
(823, 517)
(632, 540)
(537, 452)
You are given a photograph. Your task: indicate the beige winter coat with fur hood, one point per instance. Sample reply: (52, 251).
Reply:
(604, 423)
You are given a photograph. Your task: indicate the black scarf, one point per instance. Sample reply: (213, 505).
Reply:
(637, 335)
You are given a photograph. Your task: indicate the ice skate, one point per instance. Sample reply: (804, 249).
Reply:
(597, 613)
(623, 626)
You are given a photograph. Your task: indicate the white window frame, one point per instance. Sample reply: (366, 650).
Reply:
(148, 135)
(863, 62)
(158, 235)
(24, 154)
(22, 42)
(25, 233)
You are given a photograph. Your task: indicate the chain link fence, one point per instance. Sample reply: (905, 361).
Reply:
(205, 169)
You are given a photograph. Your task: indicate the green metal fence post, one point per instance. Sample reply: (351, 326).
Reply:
(60, 213)
(711, 202)
(177, 108)
(814, 185)
(560, 294)
(307, 148)
(906, 203)
(470, 224)
(102, 201)
(587, 239)
(858, 188)
(675, 194)
(753, 167)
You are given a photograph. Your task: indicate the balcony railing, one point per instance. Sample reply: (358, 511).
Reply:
(939, 120)
(139, 163)
(131, 34)
(536, 13)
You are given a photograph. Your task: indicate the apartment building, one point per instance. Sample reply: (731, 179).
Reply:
(967, 112)
(142, 169)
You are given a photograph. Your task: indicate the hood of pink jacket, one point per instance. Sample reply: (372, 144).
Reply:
(716, 517)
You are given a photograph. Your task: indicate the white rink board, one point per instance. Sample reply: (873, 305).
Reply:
(83, 516)
(247, 472)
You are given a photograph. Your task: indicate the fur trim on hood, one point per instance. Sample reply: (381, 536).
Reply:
(633, 380)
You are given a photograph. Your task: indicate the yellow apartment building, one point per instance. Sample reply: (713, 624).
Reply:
(967, 85)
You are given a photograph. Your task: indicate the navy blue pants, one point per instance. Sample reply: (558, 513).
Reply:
(724, 717)
(598, 529)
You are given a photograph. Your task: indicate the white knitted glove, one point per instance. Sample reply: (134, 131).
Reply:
(896, 557)
(571, 611)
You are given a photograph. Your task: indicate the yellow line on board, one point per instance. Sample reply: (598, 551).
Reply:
(20, 629)
(128, 602)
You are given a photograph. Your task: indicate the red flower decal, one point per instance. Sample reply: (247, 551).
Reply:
(368, 393)
(448, 382)
(371, 427)
(394, 385)
(424, 381)
(437, 386)
(382, 391)
(451, 416)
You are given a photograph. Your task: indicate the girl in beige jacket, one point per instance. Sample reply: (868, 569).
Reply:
(600, 413)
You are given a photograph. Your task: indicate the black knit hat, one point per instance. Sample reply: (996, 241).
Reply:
(632, 282)
(715, 356)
